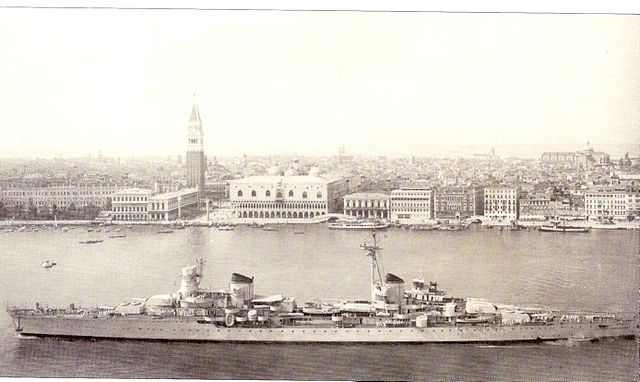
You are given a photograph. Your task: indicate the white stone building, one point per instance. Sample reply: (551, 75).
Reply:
(367, 205)
(284, 197)
(60, 197)
(501, 203)
(608, 203)
(131, 204)
(411, 205)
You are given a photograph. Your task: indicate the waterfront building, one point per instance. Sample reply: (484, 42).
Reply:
(607, 203)
(578, 160)
(131, 204)
(172, 205)
(58, 197)
(285, 197)
(501, 203)
(369, 205)
(141, 204)
(411, 204)
(456, 202)
(217, 190)
(196, 163)
(540, 206)
(633, 204)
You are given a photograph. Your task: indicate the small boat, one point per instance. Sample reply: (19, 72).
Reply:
(226, 228)
(359, 224)
(47, 264)
(65, 229)
(267, 228)
(8, 230)
(128, 226)
(298, 232)
(166, 230)
(96, 241)
(563, 228)
(117, 236)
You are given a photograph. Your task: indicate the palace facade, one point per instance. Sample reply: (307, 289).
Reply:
(285, 197)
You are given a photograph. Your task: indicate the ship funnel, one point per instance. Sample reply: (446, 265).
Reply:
(190, 279)
(395, 290)
(241, 288)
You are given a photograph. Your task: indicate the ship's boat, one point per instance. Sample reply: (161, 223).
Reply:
(133, 306)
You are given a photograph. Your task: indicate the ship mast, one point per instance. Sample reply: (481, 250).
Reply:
(375, 267)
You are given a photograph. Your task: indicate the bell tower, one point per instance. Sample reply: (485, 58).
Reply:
(195, 152)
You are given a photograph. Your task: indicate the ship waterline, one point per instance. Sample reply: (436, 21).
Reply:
(179, 330)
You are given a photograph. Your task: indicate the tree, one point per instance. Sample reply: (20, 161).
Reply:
(4, 212)
(32, 212)
(71, 212)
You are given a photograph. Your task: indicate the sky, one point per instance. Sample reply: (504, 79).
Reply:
(121, 82)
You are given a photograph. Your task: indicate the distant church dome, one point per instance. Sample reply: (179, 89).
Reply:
(314, 171)
(291, 172)
(274, 170)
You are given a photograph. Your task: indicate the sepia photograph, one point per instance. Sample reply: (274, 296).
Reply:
(319, 191)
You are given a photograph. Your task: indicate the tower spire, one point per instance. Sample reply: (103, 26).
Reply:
(195, 112)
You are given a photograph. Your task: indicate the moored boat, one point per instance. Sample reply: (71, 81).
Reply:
(562, 228)
(95, 241)
(359, 224)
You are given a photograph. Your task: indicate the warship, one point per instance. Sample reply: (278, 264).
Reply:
(420, 313)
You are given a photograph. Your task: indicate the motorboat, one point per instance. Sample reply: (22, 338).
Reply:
(95, 241)
(47, 264)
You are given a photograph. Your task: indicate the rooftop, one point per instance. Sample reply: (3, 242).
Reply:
(273, 179)
(134, 191)
(174, 194)
(367, 195)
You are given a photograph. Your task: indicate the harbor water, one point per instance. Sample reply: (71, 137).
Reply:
(594, 271)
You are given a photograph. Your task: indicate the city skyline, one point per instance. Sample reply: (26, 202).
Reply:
(398, 85)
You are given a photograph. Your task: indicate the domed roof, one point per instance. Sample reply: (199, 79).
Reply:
(274, 170)
(291, 172)
(314, 171)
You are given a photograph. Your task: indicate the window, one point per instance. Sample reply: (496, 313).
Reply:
(253, 194)
(319, 195)
(304, 195)
(267, 193)
(291, 193)
(239, 193)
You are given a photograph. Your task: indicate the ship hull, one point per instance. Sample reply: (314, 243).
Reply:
(171, 329)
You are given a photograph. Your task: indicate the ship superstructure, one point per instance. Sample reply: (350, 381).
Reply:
(420, 313)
